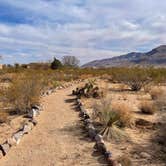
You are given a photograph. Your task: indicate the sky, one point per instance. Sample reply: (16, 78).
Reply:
(38, 30)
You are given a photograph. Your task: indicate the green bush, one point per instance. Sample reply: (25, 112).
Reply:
(56, 64)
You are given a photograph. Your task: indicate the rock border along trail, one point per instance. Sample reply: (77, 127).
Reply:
(57, 140)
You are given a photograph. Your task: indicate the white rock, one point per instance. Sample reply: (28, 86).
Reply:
(11, 141)
(145, 155)
(27, 128)
(99, 138)
(17, 136)
(5, 147)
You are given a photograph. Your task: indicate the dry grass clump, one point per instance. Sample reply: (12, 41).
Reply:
(126, 116)
(147, 107)
(3, 116)
(112, 119)
(156, 92)
(159, 95)
(124, 160)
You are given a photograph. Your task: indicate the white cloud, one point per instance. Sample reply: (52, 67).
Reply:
(87, 29)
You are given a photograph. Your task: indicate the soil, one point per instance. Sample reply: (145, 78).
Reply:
(142, 140)
(57, 140)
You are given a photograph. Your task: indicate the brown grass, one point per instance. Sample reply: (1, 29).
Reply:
(112, 119)
(23, 93)
(125, 112)
(147, 107)
(156, 92)
(3, 116)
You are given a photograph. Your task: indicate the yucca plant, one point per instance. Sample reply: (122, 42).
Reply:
(110, 121)
(110, 129)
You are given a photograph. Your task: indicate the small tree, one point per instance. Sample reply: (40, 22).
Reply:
(16, 65)
(56, 64)
(71, 61)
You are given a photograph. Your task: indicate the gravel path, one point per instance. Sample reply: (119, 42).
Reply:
(56, 140)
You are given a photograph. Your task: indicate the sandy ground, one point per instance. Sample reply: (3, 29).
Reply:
(141, 140)
(56, 140)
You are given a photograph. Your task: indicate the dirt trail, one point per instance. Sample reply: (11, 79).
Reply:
(56, 140)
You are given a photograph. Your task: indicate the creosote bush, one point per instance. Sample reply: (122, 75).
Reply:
(147, 107)
(135, 78)
(24, 92)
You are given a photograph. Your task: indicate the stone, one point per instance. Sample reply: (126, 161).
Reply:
(88, 126)
(86, 116)
(33, 121)
(37, 107)
(5, 148)
(78, 101)
(108, 154)
(99, 138)
(92, 132)
(17, 136)
(145, 155)
(11, 141)
(101, 148)
(87, 121)
(27, 128)
(33, 113)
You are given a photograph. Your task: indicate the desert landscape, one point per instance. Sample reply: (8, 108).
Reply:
(82, 83)
(125, 106)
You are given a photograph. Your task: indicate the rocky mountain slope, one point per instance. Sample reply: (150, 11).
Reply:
(155, 57)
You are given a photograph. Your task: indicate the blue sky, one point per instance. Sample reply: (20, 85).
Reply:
(37, 30)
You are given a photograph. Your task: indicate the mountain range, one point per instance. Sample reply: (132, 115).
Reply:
(156, 57)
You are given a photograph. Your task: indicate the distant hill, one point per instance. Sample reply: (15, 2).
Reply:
(155, 57)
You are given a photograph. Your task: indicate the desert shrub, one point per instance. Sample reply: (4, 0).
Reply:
(161, 100)
(135, 78)
(23, 93)
(3, 116)
(124, 160)
(156, 92)
(111, 120)
(88, 90)
(147, 107)
(56, 64)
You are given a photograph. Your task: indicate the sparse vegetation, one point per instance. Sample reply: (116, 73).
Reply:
(3, 116)
(156, 93)
(88, 90)
(147, 107)
(112, 119)
(135, 78)
(23, 93)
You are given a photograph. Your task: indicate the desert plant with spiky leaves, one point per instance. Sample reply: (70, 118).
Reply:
(110, 121)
